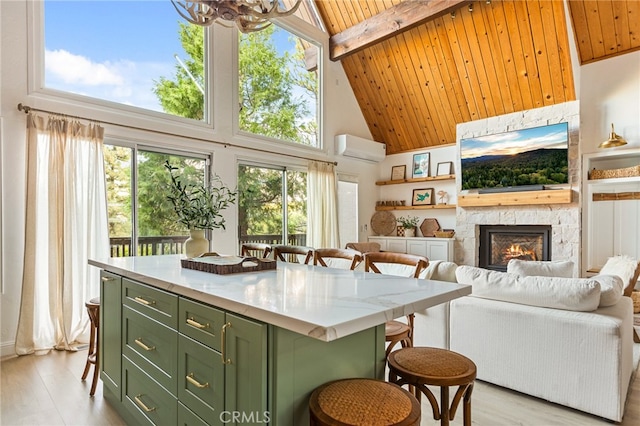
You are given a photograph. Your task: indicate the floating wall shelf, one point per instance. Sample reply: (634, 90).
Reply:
(548, 196)
(435, 206)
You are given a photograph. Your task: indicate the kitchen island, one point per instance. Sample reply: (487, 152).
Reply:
(190, 347)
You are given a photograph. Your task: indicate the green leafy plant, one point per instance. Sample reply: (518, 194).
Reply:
(408, 222)
(199, 206)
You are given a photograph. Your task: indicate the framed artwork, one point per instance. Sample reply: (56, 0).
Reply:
(420, 165)
(398, 172)
(422, 197)
(445, 168)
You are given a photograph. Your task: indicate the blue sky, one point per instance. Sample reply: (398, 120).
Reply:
(509, 143)
(111, 49)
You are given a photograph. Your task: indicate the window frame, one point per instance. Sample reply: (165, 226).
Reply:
(311, 34)
(136, 147)
(284, 190)
(36, 80)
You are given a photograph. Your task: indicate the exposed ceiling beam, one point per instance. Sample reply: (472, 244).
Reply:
(395, 20)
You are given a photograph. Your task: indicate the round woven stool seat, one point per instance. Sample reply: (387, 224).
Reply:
(419, 367)
(363, 402)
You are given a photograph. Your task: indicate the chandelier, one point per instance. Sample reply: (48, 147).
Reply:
(249, 15)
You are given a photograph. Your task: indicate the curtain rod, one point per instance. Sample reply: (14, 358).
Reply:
(27, 109)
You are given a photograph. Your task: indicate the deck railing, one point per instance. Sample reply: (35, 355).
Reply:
(148, 246)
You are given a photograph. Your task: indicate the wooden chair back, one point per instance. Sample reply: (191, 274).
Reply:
(259, 250)
(419, 263)
(631, 284)
(292, 253)
(321, 255)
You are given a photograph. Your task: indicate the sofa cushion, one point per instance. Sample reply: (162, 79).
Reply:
(576, 294)
(611, 288)
(556, 268)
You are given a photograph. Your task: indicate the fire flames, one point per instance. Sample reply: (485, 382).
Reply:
(515, 251)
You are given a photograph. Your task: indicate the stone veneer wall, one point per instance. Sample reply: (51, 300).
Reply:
(565, 219)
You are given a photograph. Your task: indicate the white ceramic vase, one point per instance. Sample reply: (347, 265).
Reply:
(409, 232)
(196, 244)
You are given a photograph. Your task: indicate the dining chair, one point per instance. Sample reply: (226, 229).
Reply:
(259, 250)
(396, 331)
(335, 258)
(288, 253)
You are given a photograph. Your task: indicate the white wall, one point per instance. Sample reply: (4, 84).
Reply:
(341, 115)
(610, 93)
(446, 217)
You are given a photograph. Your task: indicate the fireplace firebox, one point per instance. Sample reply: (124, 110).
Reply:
(501, 243)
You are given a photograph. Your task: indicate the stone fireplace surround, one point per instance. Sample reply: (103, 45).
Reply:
(564, 219)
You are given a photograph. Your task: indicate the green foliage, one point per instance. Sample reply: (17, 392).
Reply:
(196, 205)
(181, 96)
(408, 222)
(118, 180)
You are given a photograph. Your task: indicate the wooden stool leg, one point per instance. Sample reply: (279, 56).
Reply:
(467, 406)
(444, 405)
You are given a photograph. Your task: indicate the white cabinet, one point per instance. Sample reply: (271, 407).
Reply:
(432, 248)
(611, 209)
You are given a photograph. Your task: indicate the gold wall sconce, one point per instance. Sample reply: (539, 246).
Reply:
(613, 141)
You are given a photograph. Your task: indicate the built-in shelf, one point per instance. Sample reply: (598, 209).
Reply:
(415, 180)
(547, 196)
(435, 206)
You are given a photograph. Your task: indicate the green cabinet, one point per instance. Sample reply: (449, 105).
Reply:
(110, 357)
(167, 359)
(245, 354)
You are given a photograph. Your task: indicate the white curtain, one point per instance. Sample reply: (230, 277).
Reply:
(322, 205)
(66, 224)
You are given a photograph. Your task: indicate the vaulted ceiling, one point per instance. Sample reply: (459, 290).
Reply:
(418, 68)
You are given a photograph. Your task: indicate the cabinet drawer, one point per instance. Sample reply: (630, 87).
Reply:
(149, 402)
(201, 379)
(151, 345)
(201, 322)
(187, 417)
(155, 303)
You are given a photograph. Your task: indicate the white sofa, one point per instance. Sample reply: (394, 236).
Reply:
(577, 358)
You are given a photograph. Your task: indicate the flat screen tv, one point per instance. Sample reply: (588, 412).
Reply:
(526, 158)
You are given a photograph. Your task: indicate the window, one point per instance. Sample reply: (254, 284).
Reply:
(141, 219)
(279, 86)
(272, 205)
(107, 50)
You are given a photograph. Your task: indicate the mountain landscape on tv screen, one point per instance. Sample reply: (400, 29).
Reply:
(536, 167)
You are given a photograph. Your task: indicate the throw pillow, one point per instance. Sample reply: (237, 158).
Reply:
(556, 268)
(611, 288)
(576, 294)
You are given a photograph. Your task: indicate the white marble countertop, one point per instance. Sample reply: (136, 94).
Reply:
(323, 303)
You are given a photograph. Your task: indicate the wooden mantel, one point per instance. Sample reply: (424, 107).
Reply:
(547, 196)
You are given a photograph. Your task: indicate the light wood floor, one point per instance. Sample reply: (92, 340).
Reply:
(47, 390)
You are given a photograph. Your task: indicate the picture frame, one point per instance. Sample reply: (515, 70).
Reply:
(444, 169)
(422, 197)
(420, 167)
(398, 172)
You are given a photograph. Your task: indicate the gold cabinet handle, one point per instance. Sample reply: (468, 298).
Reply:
(143, 346)
(142, 404)
(143, 301)
(192, 322)
(223, 344)
(107, 279)
(196, 383)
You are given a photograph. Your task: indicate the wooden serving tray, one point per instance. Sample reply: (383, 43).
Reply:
(224, 265)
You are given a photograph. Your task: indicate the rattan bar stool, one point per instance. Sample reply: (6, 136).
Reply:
(421, 366)
(93, 308)
(362, 402)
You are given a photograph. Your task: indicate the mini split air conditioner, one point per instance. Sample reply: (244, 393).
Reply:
(363, 149)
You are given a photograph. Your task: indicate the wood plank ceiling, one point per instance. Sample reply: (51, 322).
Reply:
(491, 58)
